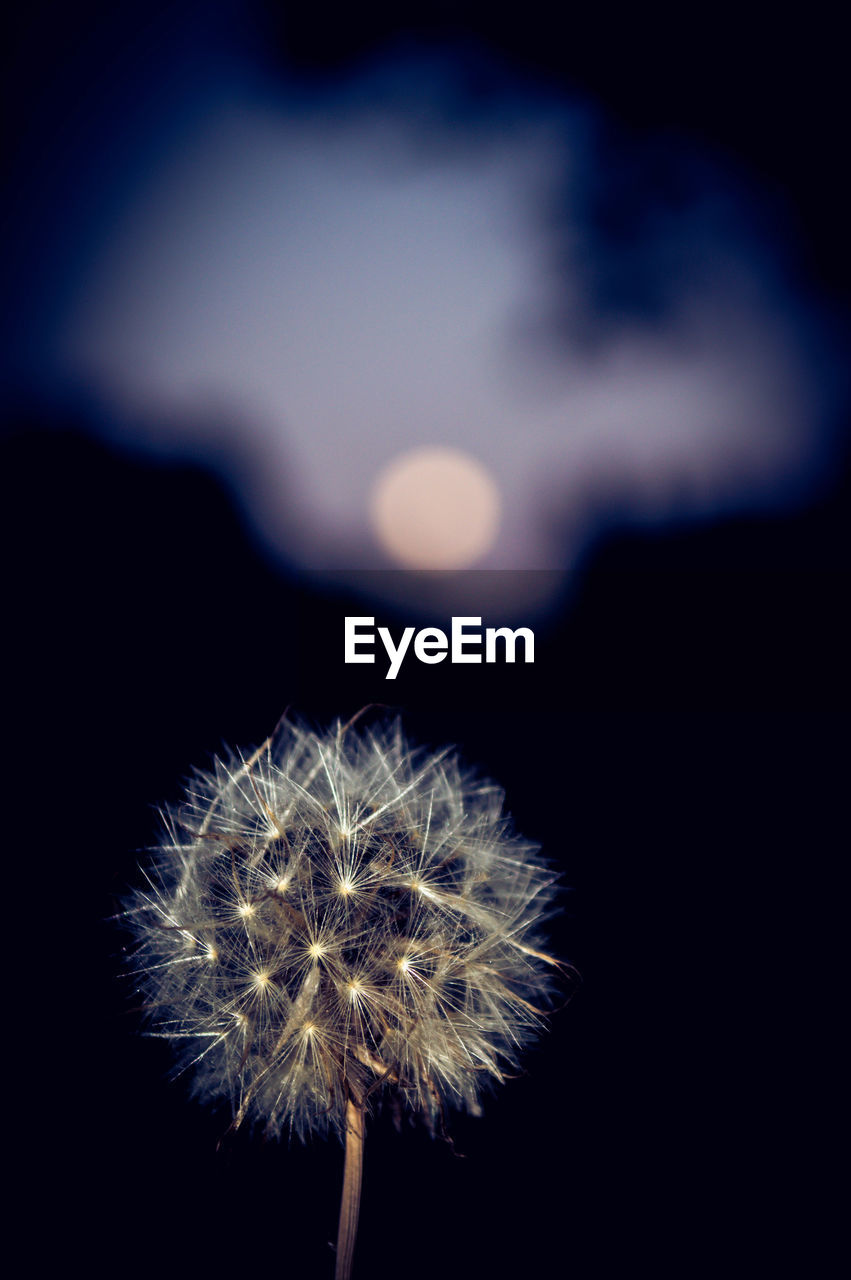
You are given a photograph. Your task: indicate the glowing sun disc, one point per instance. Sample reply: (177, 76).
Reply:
(435, 508)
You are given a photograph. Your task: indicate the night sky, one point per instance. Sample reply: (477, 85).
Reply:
(679, 748)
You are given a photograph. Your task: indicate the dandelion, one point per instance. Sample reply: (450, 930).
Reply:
(337, 920)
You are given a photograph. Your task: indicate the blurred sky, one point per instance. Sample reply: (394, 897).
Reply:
(304, 253)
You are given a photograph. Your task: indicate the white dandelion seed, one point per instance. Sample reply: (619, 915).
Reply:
(336, 920)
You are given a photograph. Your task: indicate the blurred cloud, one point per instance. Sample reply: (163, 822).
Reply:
(351, 277)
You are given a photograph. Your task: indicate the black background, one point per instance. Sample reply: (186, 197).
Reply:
(678, 748)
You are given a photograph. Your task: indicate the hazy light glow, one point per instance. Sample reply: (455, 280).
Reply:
(435, 508)
(325, 307)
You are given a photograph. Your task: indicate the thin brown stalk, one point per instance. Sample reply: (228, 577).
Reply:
(350, 1199)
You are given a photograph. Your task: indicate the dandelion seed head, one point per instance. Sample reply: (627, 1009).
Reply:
(339, 916)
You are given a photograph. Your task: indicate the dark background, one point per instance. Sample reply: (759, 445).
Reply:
(678, 748)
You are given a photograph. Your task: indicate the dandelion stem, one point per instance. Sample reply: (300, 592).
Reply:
(350, 1199)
